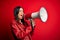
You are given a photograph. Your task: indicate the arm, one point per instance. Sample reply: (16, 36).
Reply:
(20, 33)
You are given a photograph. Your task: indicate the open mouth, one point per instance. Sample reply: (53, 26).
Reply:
(20, 15)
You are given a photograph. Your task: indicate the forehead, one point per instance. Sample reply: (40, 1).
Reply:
(21, 8)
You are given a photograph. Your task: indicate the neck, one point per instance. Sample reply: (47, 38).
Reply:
(20, 21)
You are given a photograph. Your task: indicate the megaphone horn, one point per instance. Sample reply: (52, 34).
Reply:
(41, 14)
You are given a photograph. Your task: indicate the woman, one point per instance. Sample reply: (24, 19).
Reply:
(21, 28)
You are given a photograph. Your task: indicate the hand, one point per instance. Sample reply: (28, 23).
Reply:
(32, 23)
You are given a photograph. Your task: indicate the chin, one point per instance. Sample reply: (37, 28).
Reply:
(21, 18)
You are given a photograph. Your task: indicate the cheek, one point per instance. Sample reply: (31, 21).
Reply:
(19, 16)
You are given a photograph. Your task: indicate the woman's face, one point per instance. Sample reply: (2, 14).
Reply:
(20, 14)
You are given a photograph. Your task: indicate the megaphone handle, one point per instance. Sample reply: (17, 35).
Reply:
(32, 23)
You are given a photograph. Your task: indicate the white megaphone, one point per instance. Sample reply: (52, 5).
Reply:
(41, 14)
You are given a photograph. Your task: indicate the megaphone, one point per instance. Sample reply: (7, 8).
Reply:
(41, 14)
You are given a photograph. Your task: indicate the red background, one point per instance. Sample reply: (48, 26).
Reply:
(43, 31)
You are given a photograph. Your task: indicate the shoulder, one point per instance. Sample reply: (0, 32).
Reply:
(13, 22)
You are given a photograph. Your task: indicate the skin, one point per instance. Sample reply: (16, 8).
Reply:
(20, 14)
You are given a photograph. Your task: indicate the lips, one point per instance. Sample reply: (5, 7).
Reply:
(20, 15)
